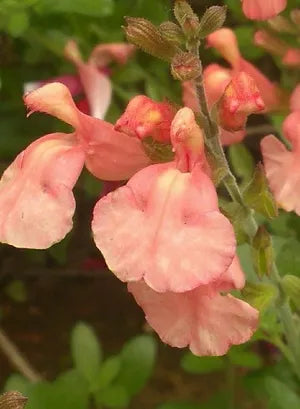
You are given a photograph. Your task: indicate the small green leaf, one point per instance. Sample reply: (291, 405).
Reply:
(257, 195)
(16, 290)
(202, 365)
(179, 405)
(18, 383)
(86, 351)
(18, 23)
(108, 371)
(241, 161)
(259, 295)
(280, 395)
(291, 285)
(69, 391)
(245, 359)
(115, 396)
(137, 362)
(262, 252)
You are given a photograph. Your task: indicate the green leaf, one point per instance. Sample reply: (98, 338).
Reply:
(108, 371)
(115, 396)
(245, 359)
(137, 362)
(202, 365)
(257, 195)
(18, 23)
(262, 252)
(86, 351)
(18, 383)
(92, 8)
(69, 391)
(259, 295)
(241, 161)
(280, 395)
(16, 290)
(291, 286)
(288, 258)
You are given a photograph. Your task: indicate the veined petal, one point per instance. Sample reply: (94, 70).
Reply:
(97, 86)
(283, 173)
(110, 155)
(164, 226)
(207, 322)
(263, 10)
(36, 199)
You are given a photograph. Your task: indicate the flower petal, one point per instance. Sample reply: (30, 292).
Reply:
(96, 85)
(263, 10)
(283, 173)
(110, 155)
(206, 322)
(164, 226)
(103, 54)
(36, 199)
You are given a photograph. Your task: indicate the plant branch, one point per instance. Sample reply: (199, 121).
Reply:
(16, 358)
(212, 140)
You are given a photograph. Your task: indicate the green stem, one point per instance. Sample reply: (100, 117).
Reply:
(214, 146)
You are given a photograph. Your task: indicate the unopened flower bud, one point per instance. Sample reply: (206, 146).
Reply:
(12, 400)
(187, 19)
(187, 140)
(185, 67)
(270, 43)
(144, 117)
(262, 252)
(172, 32)
(146, 36)
(212, 20)
(240, 99)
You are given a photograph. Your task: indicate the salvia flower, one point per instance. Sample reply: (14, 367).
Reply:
(263, 9)
(37, 204)
(181, 227)
(240, 99)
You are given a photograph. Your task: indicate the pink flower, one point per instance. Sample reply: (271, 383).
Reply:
(109, 155)
(96, 85)
(206, 321)
(283, 166)
(144, 117)
(164, 224)
(93, 78)
(224, 41)
(36, 200)
(216, 78)
(263, 9)
(240, 99)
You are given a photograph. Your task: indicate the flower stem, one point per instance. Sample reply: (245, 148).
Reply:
(212, 140)
(17, 359)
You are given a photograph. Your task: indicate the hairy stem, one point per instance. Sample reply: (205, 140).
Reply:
(17, 359)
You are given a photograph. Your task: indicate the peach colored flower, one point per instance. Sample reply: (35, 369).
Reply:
(263, 9)
(109, 155)
(203, 319)
(36, 200)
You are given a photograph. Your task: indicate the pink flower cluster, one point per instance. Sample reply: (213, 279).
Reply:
(162, 232)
